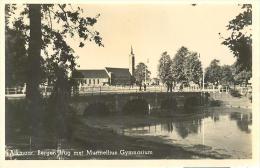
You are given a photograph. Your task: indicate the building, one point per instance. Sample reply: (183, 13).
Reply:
(108, 76)
(119, 76)
(98, 77)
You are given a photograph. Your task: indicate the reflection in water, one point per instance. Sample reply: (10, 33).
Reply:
(230, 132)
(185, 128)
(215, 117)
(243, 121)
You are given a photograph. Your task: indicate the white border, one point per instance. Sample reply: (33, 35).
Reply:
(254, 162)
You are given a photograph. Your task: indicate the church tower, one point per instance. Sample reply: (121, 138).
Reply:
(132, 62)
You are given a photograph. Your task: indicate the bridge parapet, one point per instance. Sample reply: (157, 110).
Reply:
(153, 101)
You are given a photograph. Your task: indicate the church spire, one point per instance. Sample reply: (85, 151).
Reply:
(132, 55)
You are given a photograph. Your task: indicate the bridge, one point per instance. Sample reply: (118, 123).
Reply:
(19, 92)
(106, 100)
(141, 102)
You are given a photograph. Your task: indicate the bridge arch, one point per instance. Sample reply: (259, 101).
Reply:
(136, 106)
(169, 103)
(97, 109)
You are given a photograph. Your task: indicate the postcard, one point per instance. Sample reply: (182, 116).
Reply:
(133, 83)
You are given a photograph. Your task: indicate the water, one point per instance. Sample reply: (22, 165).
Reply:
(226, 133)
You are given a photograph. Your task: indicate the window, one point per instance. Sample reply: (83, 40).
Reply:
(89, 81)
(97, 81)
(94, 81)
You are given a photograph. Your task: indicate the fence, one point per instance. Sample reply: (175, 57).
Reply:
(84, 90)
(20, 91)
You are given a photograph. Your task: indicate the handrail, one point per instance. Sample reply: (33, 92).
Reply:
(46, 90)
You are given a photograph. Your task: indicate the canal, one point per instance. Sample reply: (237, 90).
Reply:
(224, 132)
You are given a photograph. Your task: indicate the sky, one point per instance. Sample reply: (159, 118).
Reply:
(152, 29)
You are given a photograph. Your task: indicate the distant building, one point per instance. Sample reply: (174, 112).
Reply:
(119, 76)
(107, 76)
(97, 77)
(155, 81)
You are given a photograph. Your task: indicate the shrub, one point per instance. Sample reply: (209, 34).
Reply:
(235, 93)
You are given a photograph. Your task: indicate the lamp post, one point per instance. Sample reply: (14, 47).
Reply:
(145, 75)
(203, 78)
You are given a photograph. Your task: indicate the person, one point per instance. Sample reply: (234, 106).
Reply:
(167, 84)
(181, 86)
(140, 86)
(144, 87)
(171, 87)
(174, 86)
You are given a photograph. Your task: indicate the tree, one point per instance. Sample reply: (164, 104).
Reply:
(240, 77)
(34, 56)
(164, 68)
(213, 72)
(178, 65)
(15, 53)
(50, 27)
(193, 68)
(15, 58)
(243, 77)
(141, 71)
(227, 77)
(240, 40)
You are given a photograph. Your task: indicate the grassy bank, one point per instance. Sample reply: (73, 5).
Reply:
(232, 101)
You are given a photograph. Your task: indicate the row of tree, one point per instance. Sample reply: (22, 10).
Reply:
(226, 74)
(184, 67)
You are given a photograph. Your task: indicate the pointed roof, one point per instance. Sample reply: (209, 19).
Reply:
(119, 72)
(132, 52)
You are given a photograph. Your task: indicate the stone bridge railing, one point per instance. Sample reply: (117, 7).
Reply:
(137, 102)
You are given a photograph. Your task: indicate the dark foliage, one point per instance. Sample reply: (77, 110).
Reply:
(240, 40)
(15, 58)
(235, 93)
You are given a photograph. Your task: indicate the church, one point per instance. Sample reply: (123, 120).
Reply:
(111, 76)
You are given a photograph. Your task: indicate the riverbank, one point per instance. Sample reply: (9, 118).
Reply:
(95, 143)
(93, 135)
(230, 101)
